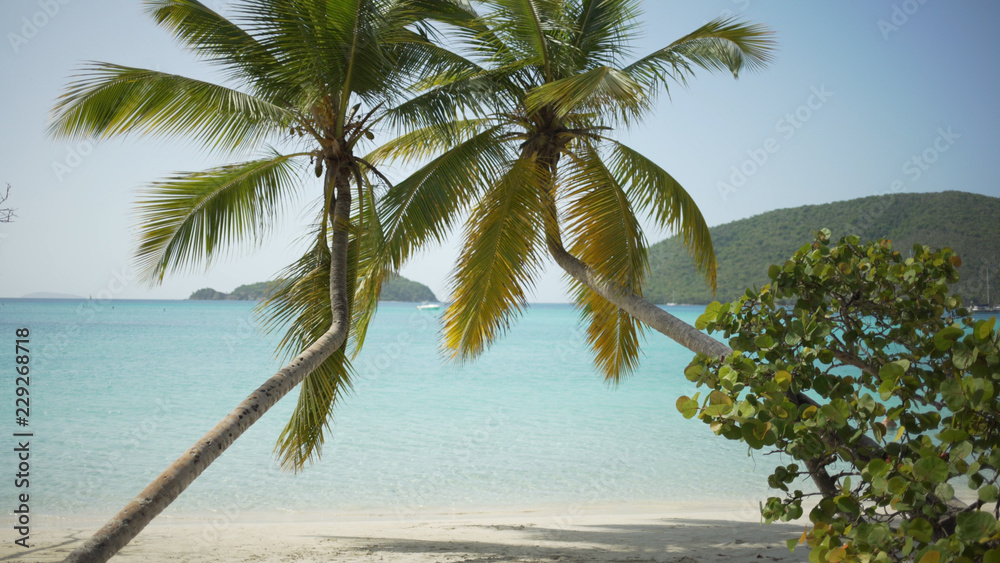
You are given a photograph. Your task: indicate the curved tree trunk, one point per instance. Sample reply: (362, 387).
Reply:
(635, 305)
(168, 485)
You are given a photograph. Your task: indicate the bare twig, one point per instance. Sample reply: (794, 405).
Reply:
(6, 214)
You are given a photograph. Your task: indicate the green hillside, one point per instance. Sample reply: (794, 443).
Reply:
(402, 289)
(968, 223)
(398, 289)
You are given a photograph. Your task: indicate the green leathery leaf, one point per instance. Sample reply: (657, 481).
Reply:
(783, 379)
(988, 493)
(709, 316)
(930, 469)
(947, 336)
(893, 370)
(984, 328)
(975, 526)
(687, 406)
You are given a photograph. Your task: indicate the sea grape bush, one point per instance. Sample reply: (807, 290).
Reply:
(857, 365)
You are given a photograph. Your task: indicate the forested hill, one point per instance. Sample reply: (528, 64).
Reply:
(402, 289)
(398, 289)
(968, 223)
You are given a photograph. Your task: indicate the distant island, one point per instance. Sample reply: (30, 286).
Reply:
(50, 295)
(247, 292)
(963, 221)
(397, 289)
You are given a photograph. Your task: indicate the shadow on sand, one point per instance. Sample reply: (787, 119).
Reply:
(666, 540)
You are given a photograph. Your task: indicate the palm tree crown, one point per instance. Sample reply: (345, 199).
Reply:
(310, 75)
(520, 138)
(314, 75)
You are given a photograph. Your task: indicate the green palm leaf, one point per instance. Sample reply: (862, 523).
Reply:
(602, 29)
(419, 144)
(526, 23)
(653, 190)
(193, 216)
(470, 95)
(612, 334)
(605, 234)
(371, 273)
(423, 207)
(300, 301)
(109, 100)
(601, 88)
(217, 39)
(600, 220)
(719, 45)
(301, 440)
(498, 263)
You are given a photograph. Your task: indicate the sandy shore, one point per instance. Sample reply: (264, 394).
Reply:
(681, 534)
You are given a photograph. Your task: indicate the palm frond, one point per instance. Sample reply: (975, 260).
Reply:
(193, 216)
(600, 220)
(472, 95)
(458, 13)
(423, 207)
(498, 262)
(527, 24)
(419, 144)
(652, 189)
(220, 41)
(613, 334)
(301, 440)
(299, 303)
(606, 236)
(109, 100)
(479, 34)
(602, 89)
(371, 272)
(723, 44)
(602, 29)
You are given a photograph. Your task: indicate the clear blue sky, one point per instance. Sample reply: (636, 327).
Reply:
(858, 90)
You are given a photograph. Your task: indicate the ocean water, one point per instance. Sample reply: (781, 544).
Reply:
(119, 389)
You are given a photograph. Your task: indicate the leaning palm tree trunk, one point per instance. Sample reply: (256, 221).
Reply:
(635, 305)
(171, 483)
(699, 342)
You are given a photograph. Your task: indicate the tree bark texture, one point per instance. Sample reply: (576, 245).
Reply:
(127, 524)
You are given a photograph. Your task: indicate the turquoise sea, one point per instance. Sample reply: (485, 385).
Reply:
(119, 389)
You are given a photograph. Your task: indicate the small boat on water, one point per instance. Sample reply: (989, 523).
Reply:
(426, 306)
(986, 308)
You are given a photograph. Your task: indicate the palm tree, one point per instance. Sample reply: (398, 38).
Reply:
(315, 75)
(521, 138)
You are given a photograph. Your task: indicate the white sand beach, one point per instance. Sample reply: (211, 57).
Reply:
(674, 533)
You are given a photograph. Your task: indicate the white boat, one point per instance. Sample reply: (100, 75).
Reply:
(426, 306)
(988, 307)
